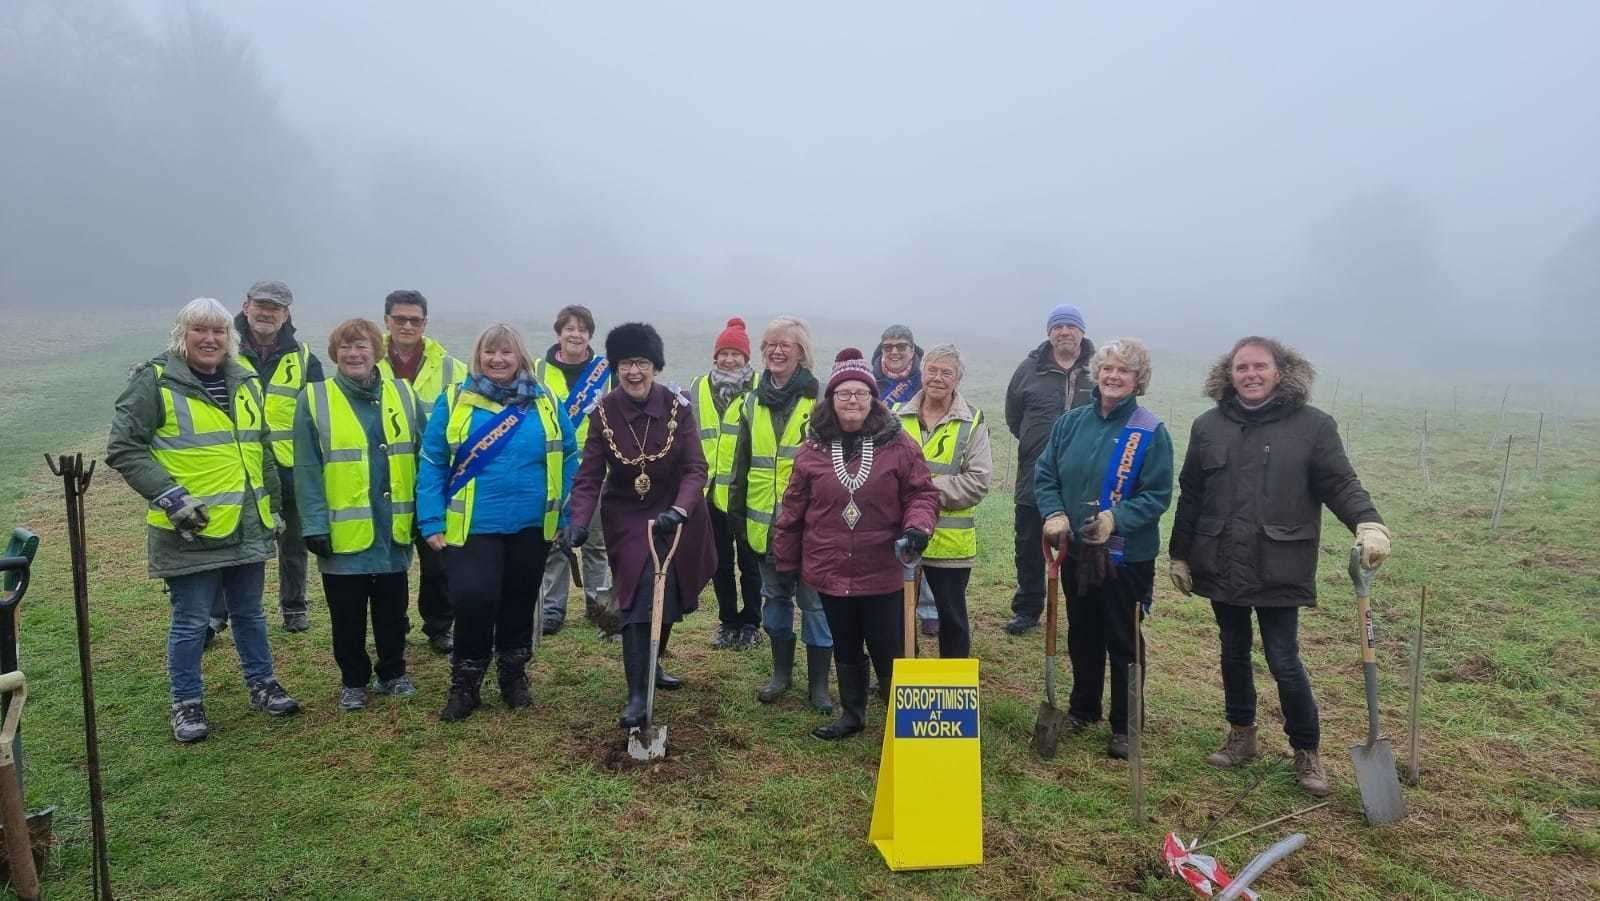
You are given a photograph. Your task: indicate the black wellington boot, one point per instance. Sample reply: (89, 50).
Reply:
(817, 661)
(852, 704)
(782, 671)
(635, 664)
(664, 681)
(512, 674)
(466, 677)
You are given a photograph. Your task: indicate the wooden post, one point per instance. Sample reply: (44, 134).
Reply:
(1422, 454)
(1500, 501)
(1500, 418)
(1136, 739)
(1538, 447)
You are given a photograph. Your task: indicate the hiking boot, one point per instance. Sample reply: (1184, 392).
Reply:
(782, 671)
(635, 666)
(296, 622)
(1076, 724)
(511, 672)
(1118, 746)
(400, 686)
(930, 627)
(466, 677)
(852, 704)
(442, 642)
(552, 625)
(817, 662)
(1022, 624)
(1308, 772)
(1239, 747)
(352, 699)
(189, 723)
(267, 695)
(749, 637)
(726, 639)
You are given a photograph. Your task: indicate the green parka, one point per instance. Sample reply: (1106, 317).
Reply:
(137, 415)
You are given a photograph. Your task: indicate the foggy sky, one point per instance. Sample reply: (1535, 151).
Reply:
(1174, 170)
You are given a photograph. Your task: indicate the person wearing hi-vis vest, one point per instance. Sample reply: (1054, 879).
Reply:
(718, 398)
(859, 488)
(356, 438)
(576, 377)
(643, 461)
(772, 426)
(411, 357)
(954, 438)
(1102, 483)
(268, 347)
(190, 435)
(498, 457)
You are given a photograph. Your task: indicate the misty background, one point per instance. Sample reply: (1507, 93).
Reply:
(1415, 183)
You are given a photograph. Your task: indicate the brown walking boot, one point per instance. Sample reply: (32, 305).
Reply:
(1239, 747)
(1308, 772)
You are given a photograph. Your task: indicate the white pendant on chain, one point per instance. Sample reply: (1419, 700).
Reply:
(852, 483)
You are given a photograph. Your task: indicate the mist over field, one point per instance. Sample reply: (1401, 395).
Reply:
(1413, 184)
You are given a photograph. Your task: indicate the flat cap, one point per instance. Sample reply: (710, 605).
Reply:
(276, 292)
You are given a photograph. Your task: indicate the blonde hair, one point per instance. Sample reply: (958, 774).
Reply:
(201, 311)
(349, 330)
(945, 351)
(801, 333)
(500, 335)
(1131, 352)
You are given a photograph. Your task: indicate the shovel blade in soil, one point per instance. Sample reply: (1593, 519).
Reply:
(643, 746)
(1381, 799)
(1047, 730)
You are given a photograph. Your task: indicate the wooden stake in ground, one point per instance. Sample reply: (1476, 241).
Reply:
(1422, 454)
(1413, 756)
(1500, 418)
(1538, 448)
(1500, 501)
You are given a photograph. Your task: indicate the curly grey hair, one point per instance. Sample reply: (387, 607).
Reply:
(201, 311)
(1131, 352)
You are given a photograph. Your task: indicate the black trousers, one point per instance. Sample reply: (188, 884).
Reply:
(876, 620)
(1103, 622)
(949, 587)
(433, 592)
(1029, 554)
(1280, 638)
(732, 549)
(350, 597)
(494, 584)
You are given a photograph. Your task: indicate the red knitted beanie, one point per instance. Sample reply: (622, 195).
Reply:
(733, 337)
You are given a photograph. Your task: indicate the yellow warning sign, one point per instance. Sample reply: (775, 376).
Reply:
(929, 807)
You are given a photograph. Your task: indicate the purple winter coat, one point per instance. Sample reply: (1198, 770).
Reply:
(678, 479)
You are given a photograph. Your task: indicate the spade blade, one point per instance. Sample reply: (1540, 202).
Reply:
(644, 746)
(1381, 799)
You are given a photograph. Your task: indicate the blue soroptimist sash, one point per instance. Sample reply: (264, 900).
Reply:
(586, 389)
(902, 390)
(1122, 471)
(483, 445)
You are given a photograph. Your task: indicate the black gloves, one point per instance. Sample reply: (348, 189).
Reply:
(573, 536)
(319, 545)
(916, 540)
(668, 520)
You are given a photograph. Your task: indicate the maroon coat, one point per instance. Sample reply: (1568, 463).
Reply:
(678, 479)
(811, 537)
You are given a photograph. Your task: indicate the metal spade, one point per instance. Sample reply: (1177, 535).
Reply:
(643, 742)
(1381, 799)
(1052, 720)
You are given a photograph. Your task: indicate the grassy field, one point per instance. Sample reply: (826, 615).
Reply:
(390, 803)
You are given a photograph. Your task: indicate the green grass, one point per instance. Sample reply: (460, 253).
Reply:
(392, 804)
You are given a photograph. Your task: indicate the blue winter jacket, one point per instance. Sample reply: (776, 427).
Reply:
(510, 492)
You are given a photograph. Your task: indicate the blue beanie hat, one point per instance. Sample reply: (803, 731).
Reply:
(1066, 314)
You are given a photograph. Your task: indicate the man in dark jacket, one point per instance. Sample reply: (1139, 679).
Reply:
(1259, 468)
(268, 347)
(1053, 379)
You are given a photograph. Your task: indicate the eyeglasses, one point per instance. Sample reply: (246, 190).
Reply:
(939, 372)
(412, 321)
(899, 346)
(852, 395)
(640, 365)
(777, 345)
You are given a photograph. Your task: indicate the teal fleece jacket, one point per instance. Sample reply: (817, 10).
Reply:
(1072, 468)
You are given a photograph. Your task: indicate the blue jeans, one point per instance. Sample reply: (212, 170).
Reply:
(780, 594)
(192, 596)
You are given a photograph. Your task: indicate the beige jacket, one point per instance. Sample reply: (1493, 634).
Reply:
(974, 470)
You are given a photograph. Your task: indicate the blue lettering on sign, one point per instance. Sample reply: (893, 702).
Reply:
(936, 711)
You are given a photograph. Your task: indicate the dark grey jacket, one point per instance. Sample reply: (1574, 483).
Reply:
(1036, 397)
(1253, 484)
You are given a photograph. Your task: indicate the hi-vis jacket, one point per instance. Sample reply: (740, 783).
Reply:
(436, 370)
(960, 458)
(166, 431)
(346, 462)
(718, 438)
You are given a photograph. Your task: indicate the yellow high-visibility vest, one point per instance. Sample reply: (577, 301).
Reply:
(346, 471)
(436, 370)
(555, 381)
(956, 537)
(283, 392)
(771, 464)
(718, 437)
(217, 458)
(458, 428)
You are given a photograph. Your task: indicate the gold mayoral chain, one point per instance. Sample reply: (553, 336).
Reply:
(641, 482)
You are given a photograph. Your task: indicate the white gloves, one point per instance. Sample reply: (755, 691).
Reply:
(1373, 539)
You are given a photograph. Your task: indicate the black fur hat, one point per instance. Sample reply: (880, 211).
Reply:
(635, 339)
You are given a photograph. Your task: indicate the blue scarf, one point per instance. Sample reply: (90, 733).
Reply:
(519, 393)
(1122, 470)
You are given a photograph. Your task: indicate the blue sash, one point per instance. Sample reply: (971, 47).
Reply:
(1122, 471)
(586, 389)
(484, 444)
